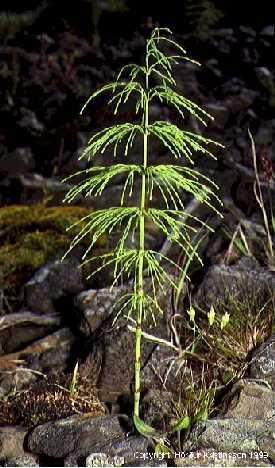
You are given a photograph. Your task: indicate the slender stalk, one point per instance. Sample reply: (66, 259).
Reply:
(140, 310)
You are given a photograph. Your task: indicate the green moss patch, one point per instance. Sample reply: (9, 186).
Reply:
(32, 235)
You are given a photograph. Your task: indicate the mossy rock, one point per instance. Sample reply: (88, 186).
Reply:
(32, 235)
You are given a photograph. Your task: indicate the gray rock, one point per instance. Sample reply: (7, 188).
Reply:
(51, 282)
(263, 362)
(25, 460)
(102, 459)
(126, 447)
(116, 365)
(77, 436)
(37, 182)
(50, 352)
(263, 73)
(251, 400)
(264, 135)
(248, 54)
(23, 327)
(267, 444)
(241, 101)
(11, 442)
(235, 435)
(119, 453)
(185, 76)
(30, 122)
(244, 436)
(219, 111)
(56, 356)
(212, 457)
(223, 32)
(243, 281)
(241, 142)
(223, 45)
(18, 162)
(248, 31)
(34, 186)
(268, 31)
(233, 86)
(15, 379)
(162, 366)
(154, 461)
(98, 304)
(265, 77)
(73, 163)
(117, 371)
(213, 66)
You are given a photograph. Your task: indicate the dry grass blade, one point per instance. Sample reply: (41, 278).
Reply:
(260, 200)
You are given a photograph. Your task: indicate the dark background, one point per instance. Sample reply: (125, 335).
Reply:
(53, 54)
(169, 14)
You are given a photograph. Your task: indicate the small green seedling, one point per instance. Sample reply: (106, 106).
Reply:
(171, 181)
(182, 425)
(73, 382)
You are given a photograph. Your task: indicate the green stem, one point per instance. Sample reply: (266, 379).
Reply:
(140, 309)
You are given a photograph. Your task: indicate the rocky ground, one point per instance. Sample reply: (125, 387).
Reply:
(51, 317)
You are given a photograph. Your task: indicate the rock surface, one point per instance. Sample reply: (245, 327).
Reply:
(50, 283)
(211, 457)
(243, 281)
(76, 436)
(48, 353)
(12, 442)
(97, 305)
(120, 453)
(263, 362)
(25, 460)
(244, 436)
(20, 161)
(23, 327)
(251, 400)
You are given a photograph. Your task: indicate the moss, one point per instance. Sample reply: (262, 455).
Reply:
(12, 24)
(32, 235)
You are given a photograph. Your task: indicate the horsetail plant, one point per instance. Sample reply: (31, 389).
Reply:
(171, 181)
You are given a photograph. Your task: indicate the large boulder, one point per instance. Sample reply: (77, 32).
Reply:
(76, 435)
(241, 282)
